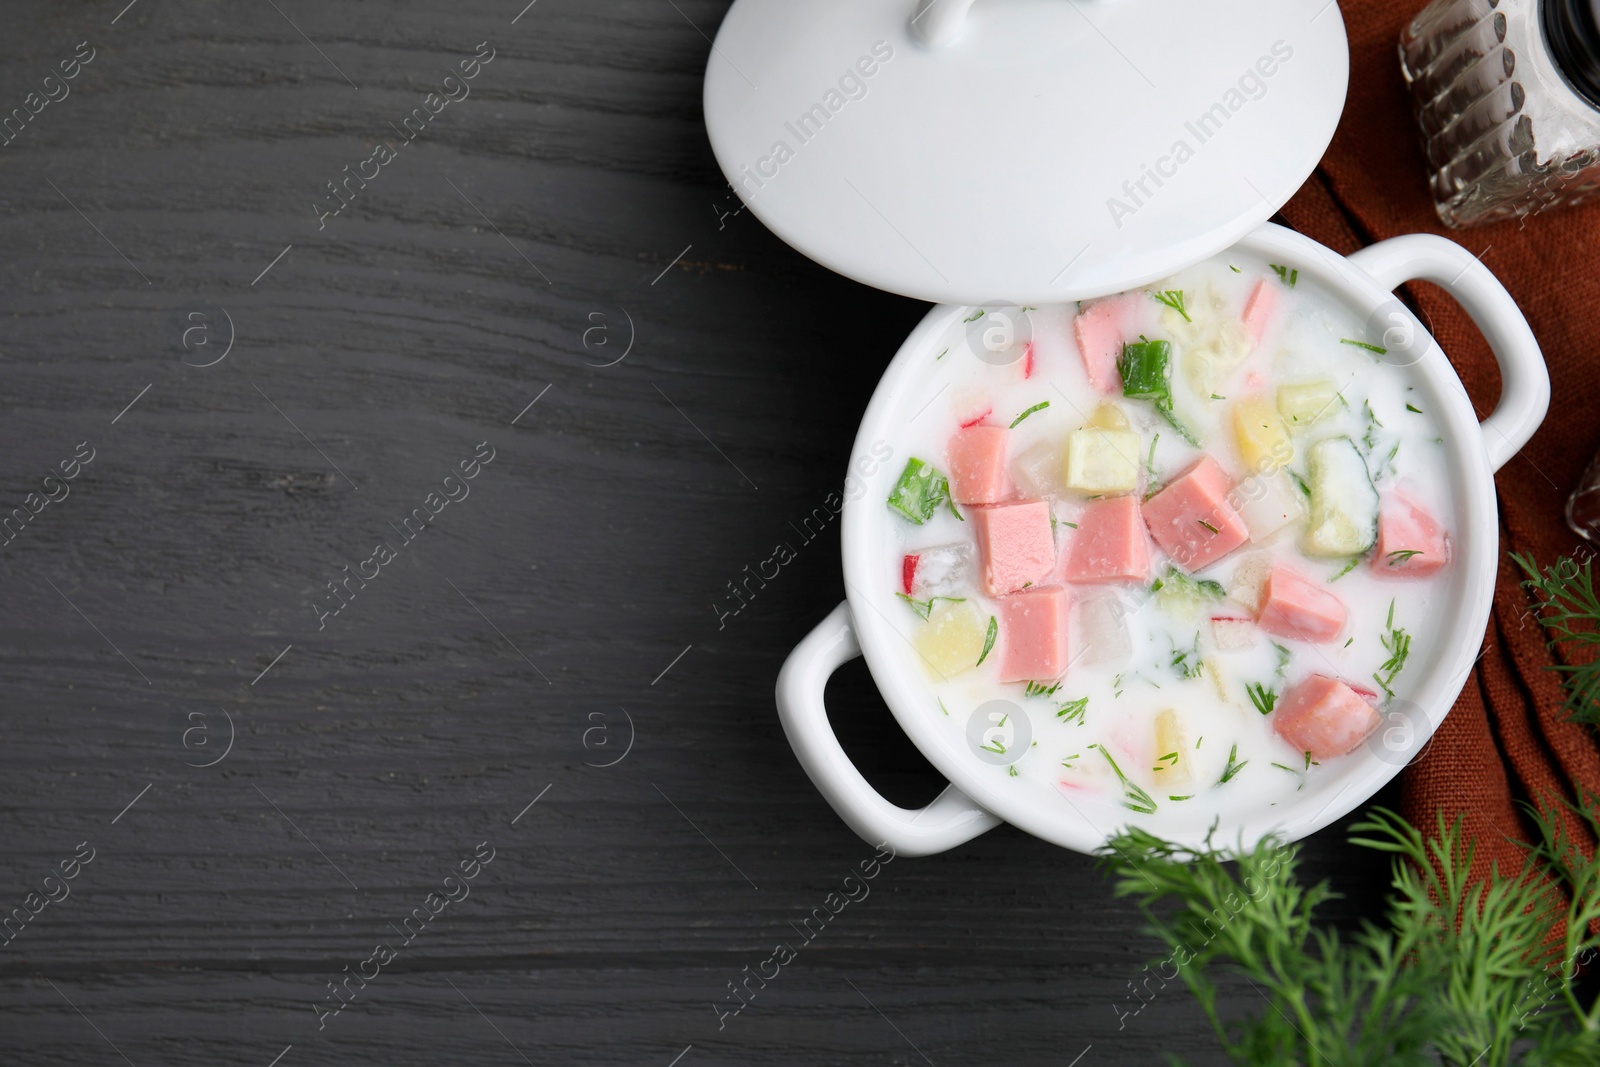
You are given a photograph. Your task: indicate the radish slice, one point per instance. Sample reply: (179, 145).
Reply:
(974, 421)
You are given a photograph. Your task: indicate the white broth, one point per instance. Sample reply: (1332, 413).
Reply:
(1118, 623)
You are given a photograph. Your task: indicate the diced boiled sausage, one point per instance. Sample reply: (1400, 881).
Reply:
(1033, 634)
(977, 460)
(1410, 543)
(1014, 543)
(1109, 543)
(1294, 606)
(1192, 520)
(1324, 717)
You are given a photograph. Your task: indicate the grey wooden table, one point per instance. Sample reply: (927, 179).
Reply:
(253, 390)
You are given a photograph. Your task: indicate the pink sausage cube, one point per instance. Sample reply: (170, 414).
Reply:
(1033, 634)
(1410, 543)
(1324, 717)
(1099, 330)
(976, 457)
(1293, 605)
(1014, 543)
(1109, 543)
(1258, 311)
(1191, 518)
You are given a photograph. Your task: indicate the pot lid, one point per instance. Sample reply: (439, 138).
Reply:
(1021, 151)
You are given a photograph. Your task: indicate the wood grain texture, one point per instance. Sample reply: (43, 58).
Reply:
(573, 189)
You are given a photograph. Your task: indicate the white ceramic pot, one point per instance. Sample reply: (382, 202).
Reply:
(977, 799)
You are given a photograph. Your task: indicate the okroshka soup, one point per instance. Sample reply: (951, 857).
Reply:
(1164, 557)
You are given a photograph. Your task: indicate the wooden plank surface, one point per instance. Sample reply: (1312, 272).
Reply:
(564, 214)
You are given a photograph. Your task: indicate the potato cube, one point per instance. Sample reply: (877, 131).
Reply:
(1173, 756)
(1303, 403)
(1102, 461)
(1101, 634)
(1262, 437)
(1248, 585)
(952, 639)
(1268, 503)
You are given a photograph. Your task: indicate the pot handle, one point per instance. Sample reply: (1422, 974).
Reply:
(1524, 380)
(951, 819)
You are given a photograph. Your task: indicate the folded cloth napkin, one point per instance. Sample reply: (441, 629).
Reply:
(1507, 739)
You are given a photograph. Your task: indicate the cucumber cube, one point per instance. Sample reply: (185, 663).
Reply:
(1344, 505)
(1304, 403)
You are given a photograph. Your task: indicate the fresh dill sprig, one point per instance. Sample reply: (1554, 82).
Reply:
(1460, 970)
(1039, 689)
(1568, 606)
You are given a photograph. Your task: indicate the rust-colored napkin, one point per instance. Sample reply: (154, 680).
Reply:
(1506, 738)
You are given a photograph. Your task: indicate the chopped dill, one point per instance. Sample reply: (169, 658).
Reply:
(1040, 406)
(1234, 766)
(924, 608)
(1263, 698)
(988, 640)
(1173, 298)
(1398, 644)
(1073, 710)
(1133, 797)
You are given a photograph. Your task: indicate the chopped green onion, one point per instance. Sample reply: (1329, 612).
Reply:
(919, 492)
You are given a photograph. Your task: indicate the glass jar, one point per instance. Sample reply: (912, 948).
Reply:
(1507, 93)
(1583, 506)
